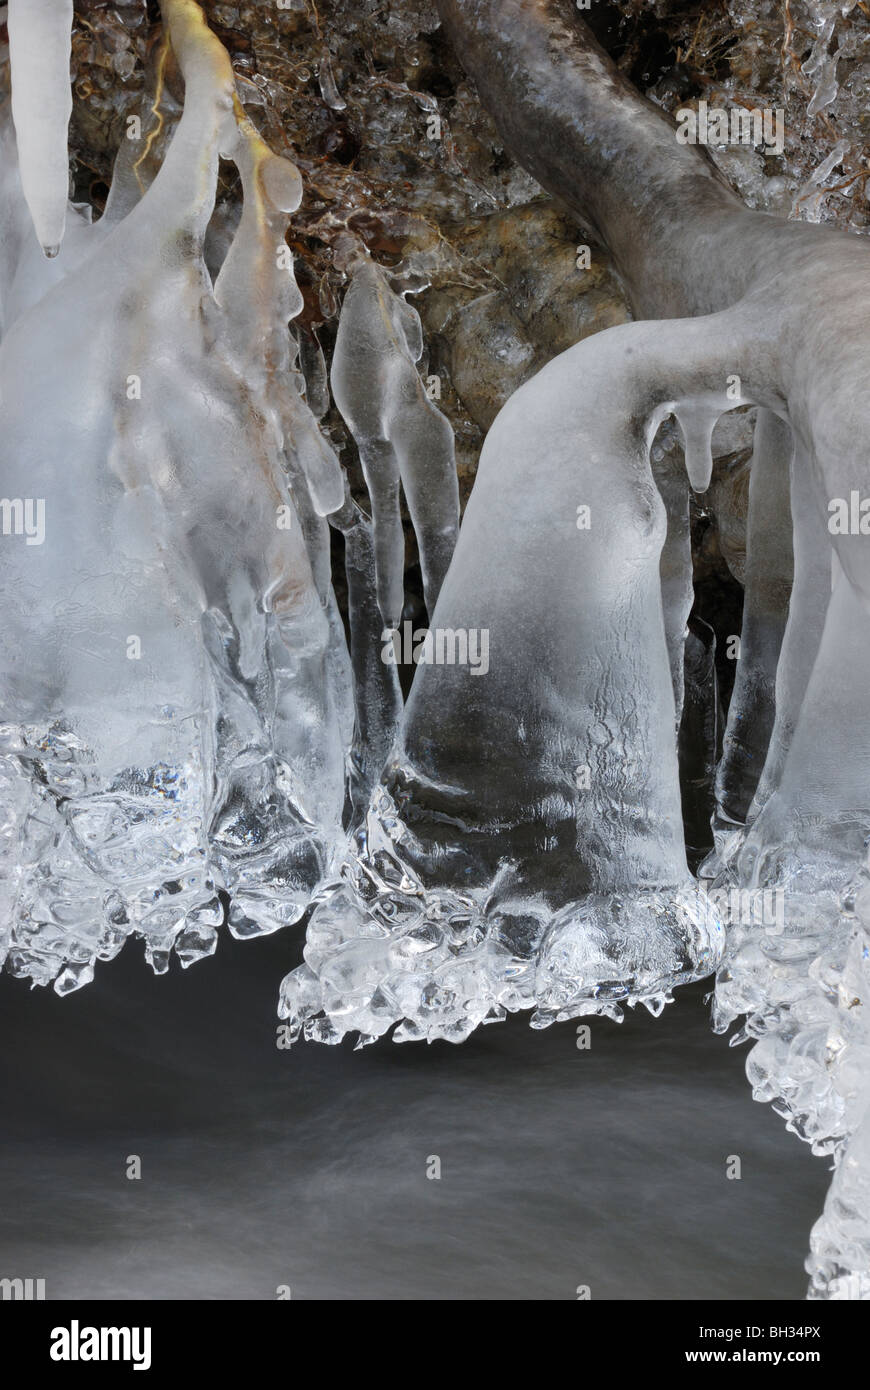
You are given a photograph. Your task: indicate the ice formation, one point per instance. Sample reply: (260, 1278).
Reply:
(793, 817)
(460, 901)
(524, 849)
(184, 717)
(401, 436)
(176, 690)
(39, 49)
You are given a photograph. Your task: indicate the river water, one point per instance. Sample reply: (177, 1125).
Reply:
(307, 1170)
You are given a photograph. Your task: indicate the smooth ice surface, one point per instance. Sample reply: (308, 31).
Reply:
(39, 52)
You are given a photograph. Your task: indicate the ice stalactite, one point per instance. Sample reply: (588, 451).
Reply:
(699, 736)
(39, 52)
(821, 66)
(176, 694)
(769, 576)
(377, 693)
(403, 439)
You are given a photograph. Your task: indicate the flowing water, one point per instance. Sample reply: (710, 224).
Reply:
(560, 1167)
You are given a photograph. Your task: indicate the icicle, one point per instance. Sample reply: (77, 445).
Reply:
(378, 696)
(699, 730)
(808, 606)
(25, 273)
(676, 562)
(257, 288)
(313, 365)
(256, 285)
(399, 432)
(823, 66)
(808, 199)
(40, 48)
(139, 159)
(326, 80)
(813, 826)
(698, 421)
(769, 571)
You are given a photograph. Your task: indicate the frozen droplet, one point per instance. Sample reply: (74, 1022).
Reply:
(328, 89)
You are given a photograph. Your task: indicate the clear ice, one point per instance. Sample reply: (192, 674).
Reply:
(176, 689)
(401, 436)
(524, 848)
(186, 728)
(792, 819)
(39, 49)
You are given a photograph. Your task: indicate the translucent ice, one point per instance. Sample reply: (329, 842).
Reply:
(25, 273)
(401, 435)
(683, 243)
(175, 689)
(768, 589)
(839, 1260)
(524, 849)
(39, 51)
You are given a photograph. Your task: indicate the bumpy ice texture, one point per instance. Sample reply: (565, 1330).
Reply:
(176, 691)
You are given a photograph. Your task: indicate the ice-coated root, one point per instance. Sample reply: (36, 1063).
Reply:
(175, 695)
(575, 122)
(403, 439)
(684, 244)
(40, 46)
(524, 849)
